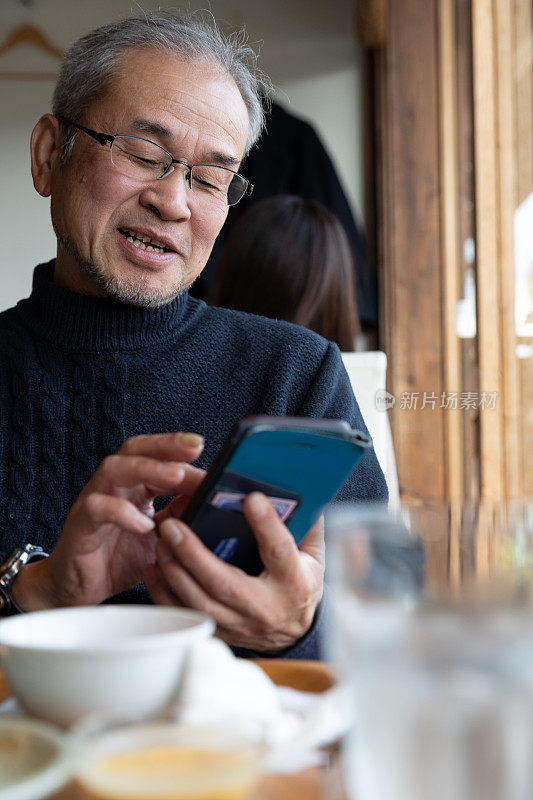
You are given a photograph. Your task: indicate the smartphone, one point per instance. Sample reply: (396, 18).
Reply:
(299, 463)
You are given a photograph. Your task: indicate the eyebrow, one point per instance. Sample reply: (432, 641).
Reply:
(147, 126)
(212, 157)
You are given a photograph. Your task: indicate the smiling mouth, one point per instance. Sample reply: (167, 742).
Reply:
(144, 242)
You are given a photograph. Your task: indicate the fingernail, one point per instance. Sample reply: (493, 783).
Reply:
(257, 505)
(173, 533)
(171, 470)
(144, 523)
(191, 439)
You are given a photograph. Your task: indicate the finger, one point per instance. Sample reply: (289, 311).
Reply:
(165, 446)
(192, 478)
(127, 471)
(161, 595)
(158, 588)
(175, 508)
(276, 544)
(313, 543)
(223, 582)
(189, 593)
(100, 509)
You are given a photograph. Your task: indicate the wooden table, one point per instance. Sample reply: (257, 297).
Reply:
(311, 784)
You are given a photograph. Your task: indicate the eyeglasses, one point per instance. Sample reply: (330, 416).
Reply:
(144, 161)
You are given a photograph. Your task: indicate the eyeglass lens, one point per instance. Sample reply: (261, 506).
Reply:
(145, 161)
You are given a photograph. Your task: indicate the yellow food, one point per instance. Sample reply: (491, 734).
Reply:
(171, 772)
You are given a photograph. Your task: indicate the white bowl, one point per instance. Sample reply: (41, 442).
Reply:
(70, 662)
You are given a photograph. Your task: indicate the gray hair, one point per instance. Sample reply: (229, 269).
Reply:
(92, 62)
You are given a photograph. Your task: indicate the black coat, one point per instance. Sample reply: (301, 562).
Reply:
(290, 159)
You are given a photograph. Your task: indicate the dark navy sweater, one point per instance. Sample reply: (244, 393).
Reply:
(81, 374)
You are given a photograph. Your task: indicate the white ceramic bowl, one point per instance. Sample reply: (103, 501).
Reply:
(69, 662)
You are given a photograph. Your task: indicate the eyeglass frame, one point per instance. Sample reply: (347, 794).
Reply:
(107, 138)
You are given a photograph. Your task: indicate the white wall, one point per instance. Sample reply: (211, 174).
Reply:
(307, 47)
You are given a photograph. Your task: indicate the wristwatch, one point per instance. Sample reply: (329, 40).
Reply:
(9, 571)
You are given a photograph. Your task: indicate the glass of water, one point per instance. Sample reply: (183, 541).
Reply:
(432, 628)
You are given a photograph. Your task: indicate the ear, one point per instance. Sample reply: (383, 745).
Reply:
(45, 149)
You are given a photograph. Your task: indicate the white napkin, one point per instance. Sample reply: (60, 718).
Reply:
(218, 688)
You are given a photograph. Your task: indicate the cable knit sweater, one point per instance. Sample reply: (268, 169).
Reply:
(81, 374)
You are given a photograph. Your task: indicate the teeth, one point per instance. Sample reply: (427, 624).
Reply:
(140, 241)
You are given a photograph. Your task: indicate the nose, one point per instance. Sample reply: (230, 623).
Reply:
(169, 197)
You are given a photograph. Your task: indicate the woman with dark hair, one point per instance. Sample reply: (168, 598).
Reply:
(289, 258)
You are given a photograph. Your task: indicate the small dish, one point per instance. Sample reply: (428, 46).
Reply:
(133, 760)
(36, 759)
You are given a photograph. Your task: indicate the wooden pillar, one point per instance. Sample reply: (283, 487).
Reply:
(511, 410)
(449, 239)
(522, 49)
(412, 328)
(487, 224)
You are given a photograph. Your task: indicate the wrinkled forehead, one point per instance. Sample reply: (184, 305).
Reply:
(197, 92)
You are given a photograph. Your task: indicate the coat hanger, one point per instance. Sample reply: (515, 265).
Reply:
(29, 34)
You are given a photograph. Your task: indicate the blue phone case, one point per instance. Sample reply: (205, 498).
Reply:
(299, 463)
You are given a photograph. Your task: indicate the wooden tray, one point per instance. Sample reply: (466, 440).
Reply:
(306, 676)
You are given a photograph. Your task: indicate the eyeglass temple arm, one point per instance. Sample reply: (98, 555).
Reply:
(250, 189)
(101, 138)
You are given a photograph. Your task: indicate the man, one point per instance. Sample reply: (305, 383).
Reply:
(109, 356)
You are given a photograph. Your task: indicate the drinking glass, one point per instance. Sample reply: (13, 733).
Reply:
(433, 631)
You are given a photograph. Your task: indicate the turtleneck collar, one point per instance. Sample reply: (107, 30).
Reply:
(80, 321)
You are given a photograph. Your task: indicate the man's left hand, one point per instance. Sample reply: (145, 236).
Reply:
(267, 613)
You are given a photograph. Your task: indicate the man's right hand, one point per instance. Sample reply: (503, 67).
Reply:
(108, 538)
